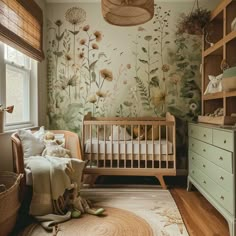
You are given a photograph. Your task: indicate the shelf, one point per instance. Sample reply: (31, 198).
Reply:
(218, 33)
(219, 95)
(212, 96)
(215, 49)
(230, 94)
(220, 120)
(230, 36)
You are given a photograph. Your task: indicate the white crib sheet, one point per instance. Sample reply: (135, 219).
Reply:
(92, 146)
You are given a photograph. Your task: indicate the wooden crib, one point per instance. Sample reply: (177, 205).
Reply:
(144, 146)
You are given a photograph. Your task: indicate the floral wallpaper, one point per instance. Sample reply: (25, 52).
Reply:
(120, 71)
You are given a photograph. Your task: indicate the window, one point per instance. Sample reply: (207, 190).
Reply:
(19, 85)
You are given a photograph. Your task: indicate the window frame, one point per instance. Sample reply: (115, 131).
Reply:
(32, 91)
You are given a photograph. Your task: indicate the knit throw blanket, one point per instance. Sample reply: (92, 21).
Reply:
(51, 177)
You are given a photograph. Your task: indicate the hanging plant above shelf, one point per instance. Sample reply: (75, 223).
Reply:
(195, 22)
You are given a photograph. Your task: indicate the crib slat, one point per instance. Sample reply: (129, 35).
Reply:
(167, 147)
(91, 148)
(146, 148)
(138, 146)
(132, 146)
(105, 146)
(125, 148)
(118, 161)
(111, 161)
(98, 146)
(153, 152)
(160, 154)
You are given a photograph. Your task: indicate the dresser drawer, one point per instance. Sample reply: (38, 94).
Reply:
(223, 139)
(217, 174)
(202, 133)
(220, 157)
(224, 198)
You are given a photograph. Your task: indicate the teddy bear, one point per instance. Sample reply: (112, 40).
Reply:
(139, 132)
(51, 137)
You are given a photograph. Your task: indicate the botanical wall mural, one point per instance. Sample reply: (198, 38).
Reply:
(115, 71)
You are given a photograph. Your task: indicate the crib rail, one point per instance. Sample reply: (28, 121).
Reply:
(151, 147)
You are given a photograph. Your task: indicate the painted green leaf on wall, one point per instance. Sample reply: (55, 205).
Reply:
(144, 49)
(153, 71)
(154, 81)
(143, 61)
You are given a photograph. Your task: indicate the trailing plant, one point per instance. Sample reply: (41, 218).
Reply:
(195, 22)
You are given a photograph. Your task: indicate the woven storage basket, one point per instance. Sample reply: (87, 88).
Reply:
(9, 201)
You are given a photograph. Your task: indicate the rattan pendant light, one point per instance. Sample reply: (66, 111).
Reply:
(127, 12)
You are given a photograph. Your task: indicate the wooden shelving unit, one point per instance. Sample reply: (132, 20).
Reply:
(224, 48)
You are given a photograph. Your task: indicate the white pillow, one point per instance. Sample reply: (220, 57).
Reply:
(123, 134)
(40, 133)
(215, 84)
(32, 146)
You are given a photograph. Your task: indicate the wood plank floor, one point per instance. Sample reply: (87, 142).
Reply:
(200, 217)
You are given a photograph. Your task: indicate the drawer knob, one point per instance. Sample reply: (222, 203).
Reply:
(221, 158)
(204, 135)
(203, 166)
(224, 141)
(192, 171)
(192, 144)
(204, 150)
(221, 177)
(222, 197)
(204, 182)
(192, 158)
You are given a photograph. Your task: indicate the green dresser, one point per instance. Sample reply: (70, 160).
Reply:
(212, 167)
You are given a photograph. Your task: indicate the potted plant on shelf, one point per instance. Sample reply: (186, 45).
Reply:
(195, 22)
(8, 109)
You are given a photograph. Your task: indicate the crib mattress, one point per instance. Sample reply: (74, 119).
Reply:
(129, 147)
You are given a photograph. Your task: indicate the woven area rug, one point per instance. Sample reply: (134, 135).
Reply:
(129, 212)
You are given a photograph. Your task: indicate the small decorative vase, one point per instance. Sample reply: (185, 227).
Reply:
(1, 121)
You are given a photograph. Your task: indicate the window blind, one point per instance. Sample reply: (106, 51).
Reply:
(21, 26)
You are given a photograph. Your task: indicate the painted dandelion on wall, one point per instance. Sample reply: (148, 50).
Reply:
(75, 16)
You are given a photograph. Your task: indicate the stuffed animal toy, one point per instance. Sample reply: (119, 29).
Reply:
(214, 84)
(153, 134)
(49, 136)
(139, 132)
(78, 205)
(55, 150)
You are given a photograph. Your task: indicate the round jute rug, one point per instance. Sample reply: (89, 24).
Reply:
(115, 222)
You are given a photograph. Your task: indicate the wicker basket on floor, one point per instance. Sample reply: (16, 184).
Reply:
(9, 201)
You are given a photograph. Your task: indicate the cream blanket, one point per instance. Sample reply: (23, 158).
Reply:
(51, 177)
